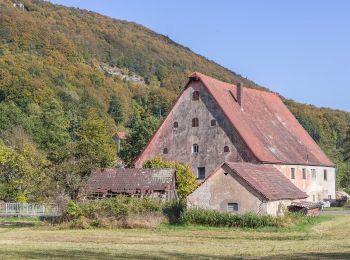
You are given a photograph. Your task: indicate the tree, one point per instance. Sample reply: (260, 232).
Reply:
(141, 130)
(346, 151)
(94, 148)
(185, 180)
(15, 174)
(116, 109)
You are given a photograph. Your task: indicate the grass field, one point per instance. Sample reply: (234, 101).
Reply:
(24, 239)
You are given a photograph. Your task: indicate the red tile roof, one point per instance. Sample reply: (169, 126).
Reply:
(266, 180)
(128, 180)
(265, 124)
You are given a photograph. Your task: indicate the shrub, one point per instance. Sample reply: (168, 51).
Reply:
(223, 219)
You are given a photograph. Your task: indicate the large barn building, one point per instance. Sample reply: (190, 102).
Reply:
(213, 122)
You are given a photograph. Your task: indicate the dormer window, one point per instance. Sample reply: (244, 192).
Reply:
(165, 151)
(195, 95)
(195, 122)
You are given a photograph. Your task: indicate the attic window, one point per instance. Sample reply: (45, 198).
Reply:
(176, 124)
(226, 149)
(195, 122)
(292, 173)
(165, 151)
(195, 95)
(213, 122)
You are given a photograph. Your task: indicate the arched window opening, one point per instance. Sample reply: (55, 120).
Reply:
(195, 95)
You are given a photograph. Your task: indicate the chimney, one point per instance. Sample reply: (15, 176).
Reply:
(240, 94)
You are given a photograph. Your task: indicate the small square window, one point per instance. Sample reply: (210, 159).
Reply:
(195, 95)
(201, 173)
(231, 207)
(176, 124)
(304, 173)
(213, 122)
(165, 151)
(226, 149)
(325, 175)
(292, 173)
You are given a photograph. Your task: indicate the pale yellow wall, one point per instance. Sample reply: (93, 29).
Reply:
(315, 188)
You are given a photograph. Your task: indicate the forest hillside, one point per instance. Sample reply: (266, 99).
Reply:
(69, 79)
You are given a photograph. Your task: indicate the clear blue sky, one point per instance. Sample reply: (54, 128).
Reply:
(299, 48)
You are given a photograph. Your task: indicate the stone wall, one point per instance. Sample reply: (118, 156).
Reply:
(211, 140)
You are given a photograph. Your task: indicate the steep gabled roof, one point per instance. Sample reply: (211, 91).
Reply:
(265, 124)
(129, 180)
(265, 180)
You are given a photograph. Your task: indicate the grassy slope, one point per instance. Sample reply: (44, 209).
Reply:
(329, 239)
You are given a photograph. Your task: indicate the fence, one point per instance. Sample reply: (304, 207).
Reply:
(28, 209)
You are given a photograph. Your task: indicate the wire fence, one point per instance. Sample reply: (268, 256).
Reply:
(28, 209)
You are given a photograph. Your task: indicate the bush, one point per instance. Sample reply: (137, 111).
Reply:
(223, 219)
(127, 212)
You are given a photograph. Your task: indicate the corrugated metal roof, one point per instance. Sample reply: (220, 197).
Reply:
(131, 179)
(266, 180)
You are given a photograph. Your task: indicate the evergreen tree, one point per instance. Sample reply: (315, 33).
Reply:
(116, 109)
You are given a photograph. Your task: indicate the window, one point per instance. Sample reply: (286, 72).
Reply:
(165, 150)
(292, 173)
(195, 148)
(304, 173)
(176, 124)
(226, 149)
(201, 173)
(325, 175)
(232, 207)
(195, 122)
(313, 174)
(195, 95)
(213, 122)
(330, 197)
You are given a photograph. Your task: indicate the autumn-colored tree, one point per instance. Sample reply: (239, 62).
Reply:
(185, 180)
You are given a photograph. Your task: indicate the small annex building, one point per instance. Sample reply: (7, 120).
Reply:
(245, 187)
(154, 183)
